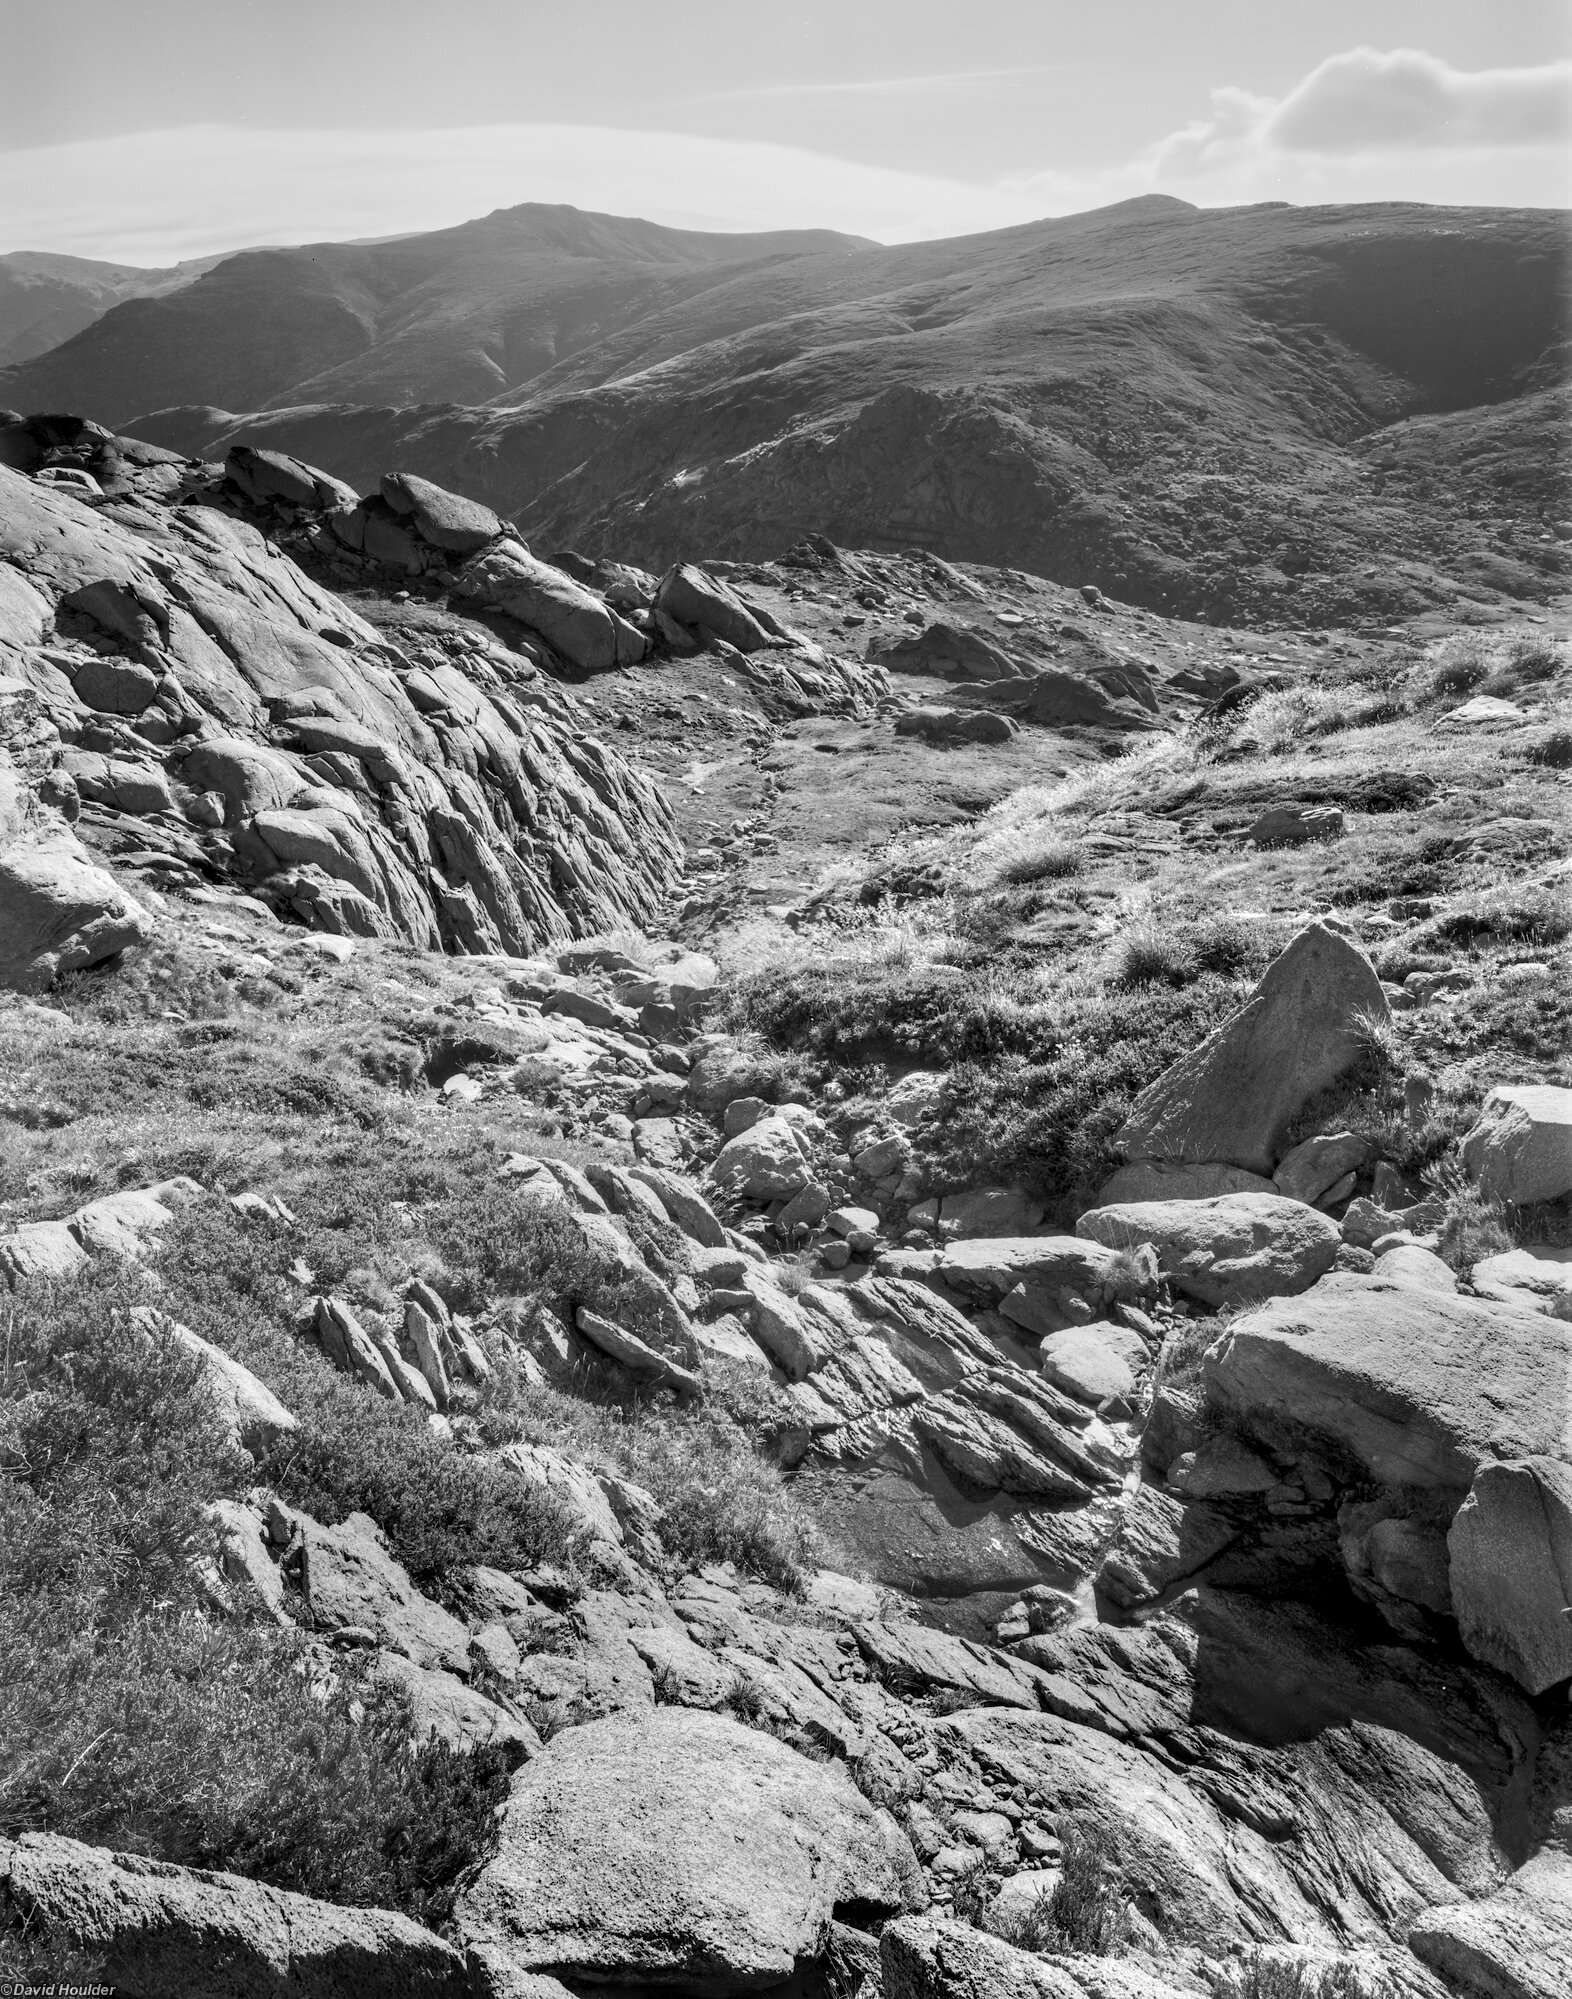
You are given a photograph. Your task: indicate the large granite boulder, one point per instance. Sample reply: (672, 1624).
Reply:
(158, 1930)
(571, 619)
(703, 602)
(764, 1163)
(446, 520)
(677, 1848)
(1521, 1148)
(266, 476)
(924, 1957)
(1511, 1569)
(1398, 1386)
(1232, 1250)
(1234, 1097)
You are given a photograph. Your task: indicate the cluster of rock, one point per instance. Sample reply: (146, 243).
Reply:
(589, 617)
(994, 1424)
(1092, 688)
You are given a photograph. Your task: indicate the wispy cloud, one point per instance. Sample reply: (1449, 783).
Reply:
(155, 197)
(1339, 134)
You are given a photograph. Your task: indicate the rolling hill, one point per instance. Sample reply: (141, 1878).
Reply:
(1311, 414)
(45, 299)
(457, 315)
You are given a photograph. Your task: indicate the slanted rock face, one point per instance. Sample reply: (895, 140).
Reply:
(360, 792)
(162, 1929)
(678, 1848)
(1233, 1097)
(1515, 1944)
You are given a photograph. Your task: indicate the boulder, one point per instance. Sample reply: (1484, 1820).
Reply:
(1316, 1165)
(58, 911)
(1399, 1386)
(246, 1408)
(1059, 700)
(1411, 1264)
(1521, 1148)
(1538, 1278)
(1229, 1251)
(572, 620)
(158, 1930)
(445, 520)
(349, 1579)
(1515, 1944)
(126, 1224)
(39, 1249)
(273, 475)
(674, 1847)
(1300, 1031)
(1174, 1180)
(763, 1163)
(1094, 1363)
(938, 1958)
(443, 1709)
(694, 598)
(950, 651)
(1510, 1549)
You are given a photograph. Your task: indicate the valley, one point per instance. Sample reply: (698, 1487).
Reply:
(786, 1122)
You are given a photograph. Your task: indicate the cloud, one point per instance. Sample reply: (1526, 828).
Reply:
(156, 197)
(1365, 126)
(1364, 101)
(1361, 127)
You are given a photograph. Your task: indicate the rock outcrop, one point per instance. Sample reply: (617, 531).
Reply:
(218, 716)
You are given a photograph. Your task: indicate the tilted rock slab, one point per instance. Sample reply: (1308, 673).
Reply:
(162, 1930)
(679, 1848)
(1234, 1096)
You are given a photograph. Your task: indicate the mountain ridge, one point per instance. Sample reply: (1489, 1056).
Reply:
(1185, 406)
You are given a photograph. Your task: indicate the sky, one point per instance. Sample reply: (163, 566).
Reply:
(147, 131)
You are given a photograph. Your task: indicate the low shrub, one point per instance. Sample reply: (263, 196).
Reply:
(861, 1013)
(721, 1501)
(1049, 1118)
(131, 1715)
(1085, 1913)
